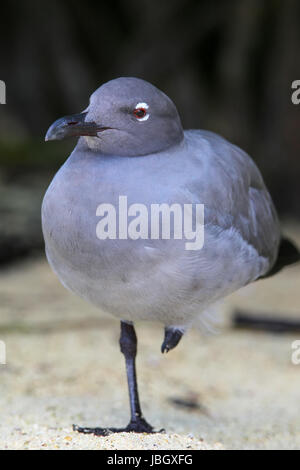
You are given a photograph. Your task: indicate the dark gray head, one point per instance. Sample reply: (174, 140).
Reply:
(126, 116)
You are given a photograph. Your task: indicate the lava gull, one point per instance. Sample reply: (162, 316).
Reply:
(150, 222)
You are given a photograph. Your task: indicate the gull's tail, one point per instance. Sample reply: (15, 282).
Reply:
(288, 253)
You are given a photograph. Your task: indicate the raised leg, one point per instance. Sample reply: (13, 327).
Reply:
(171, 339)
(128, 345)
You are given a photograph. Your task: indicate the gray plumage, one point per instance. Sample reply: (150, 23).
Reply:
(154, 161)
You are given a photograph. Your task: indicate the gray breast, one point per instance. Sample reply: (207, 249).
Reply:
(158, 279)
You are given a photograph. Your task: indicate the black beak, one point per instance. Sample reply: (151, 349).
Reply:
(73, 126)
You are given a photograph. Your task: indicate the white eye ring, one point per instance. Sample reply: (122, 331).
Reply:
(145, 106)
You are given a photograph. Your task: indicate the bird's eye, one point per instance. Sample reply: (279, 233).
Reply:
(139, 113)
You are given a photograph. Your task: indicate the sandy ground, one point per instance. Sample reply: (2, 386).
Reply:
(64, 366)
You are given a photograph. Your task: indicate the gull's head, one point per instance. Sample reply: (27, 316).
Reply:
(126, 117)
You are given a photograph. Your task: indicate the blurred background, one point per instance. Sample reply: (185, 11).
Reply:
(229, 67)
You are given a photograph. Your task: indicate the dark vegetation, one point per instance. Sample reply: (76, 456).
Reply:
(228, 66)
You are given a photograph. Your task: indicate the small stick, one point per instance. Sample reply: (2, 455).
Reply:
(265, 322)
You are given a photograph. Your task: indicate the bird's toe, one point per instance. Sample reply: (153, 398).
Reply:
(171, 339)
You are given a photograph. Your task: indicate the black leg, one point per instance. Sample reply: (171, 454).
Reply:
(128, 345)
(171, 339)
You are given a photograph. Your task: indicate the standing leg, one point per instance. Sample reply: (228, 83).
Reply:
(128, 345)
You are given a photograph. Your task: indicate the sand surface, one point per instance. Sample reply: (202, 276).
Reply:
(64, 367)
